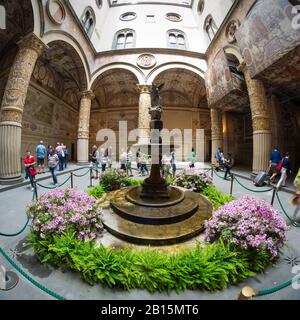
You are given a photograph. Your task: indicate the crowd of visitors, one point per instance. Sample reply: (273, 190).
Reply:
(54, 158)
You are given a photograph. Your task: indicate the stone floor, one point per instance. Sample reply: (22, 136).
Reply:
(69, 284)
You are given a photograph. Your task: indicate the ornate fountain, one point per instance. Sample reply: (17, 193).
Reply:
(156, 213)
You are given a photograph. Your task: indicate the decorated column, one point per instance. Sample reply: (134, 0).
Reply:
(144, 116)
(216, 131)
(30, 48)
(84, 126)
(260, 122)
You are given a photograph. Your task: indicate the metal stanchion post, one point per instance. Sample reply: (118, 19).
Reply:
(35, 191)
(91, 177)
(212, 171)
(231, 186)
(273, 195)
(72, 182)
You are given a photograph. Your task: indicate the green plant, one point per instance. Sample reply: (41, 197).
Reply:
(213, 267)
(97, 191)
(217, 197)
(115, 179)
(134, 182)
(170, 181)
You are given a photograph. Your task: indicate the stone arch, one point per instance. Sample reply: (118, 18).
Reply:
(164, 67)
(233, 50)
(125, 66)
(73, 46)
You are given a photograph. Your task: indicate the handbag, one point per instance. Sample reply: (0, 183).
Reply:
(32, 171)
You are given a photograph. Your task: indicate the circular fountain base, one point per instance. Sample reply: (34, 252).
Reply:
(143, 222)
(175, 196)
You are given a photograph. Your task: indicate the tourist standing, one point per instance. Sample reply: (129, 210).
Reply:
(40, 155)
(228, 164)
(109, 157)
(60, 153)
(30, 172)
(144, 160)
(138, 161)
(52, 164)
(193, 158)
(103, 160)
(275, 159)
(173, 162)
(66, 158)
(166, 165)
(95, 161)
(285, 168)
(128, 163)
(218, 158)
(123, 160)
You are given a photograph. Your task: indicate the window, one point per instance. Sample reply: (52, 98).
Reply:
(128, 16)
(201, 6)
(150, 18)
(176, 39)
(124, 39)
(99, 3)
(88, 20)
(174, 17)
(210, 27)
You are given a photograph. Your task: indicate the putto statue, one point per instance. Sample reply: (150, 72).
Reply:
(155, 94)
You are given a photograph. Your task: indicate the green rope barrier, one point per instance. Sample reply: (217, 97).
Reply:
(28, 277)
(294, 223)
(217, 174)
(267, 190)
(17, 233)
(52, 188)
(81, 175)
(279, 287)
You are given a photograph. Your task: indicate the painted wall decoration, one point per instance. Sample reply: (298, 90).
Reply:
(266, 37)
(48, 119)
(224, 90)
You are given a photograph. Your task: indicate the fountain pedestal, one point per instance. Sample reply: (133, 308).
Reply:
(155, 213)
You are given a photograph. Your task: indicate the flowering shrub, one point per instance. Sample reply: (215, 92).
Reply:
(250, 224)
(114, 179)
(60, 211)
(194, 179)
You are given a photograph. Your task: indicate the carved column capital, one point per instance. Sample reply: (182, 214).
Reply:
(32, 42)
(88, 94)
(145, 88)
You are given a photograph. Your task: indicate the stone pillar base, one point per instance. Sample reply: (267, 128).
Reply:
(261, 150)
(82, 150)
(10, 151)
(11, 181)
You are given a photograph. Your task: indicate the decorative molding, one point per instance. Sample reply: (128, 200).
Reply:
(146, 61)
(231, 29)
(52, 9)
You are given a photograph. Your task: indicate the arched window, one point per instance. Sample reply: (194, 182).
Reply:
(124, 39)
(176, 39)
(99, 3)
(210, 27)
(200, 8)
(88, 20)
